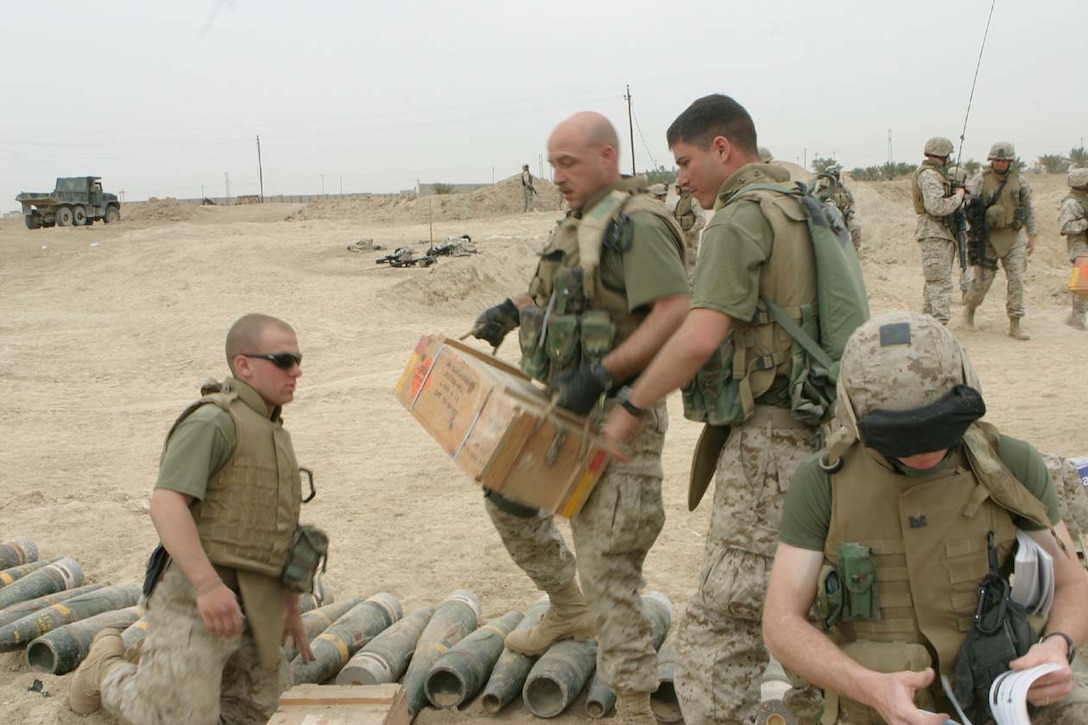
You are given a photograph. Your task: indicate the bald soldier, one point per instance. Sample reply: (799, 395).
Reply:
(608, 291)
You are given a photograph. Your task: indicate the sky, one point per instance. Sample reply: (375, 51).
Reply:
(166, 98)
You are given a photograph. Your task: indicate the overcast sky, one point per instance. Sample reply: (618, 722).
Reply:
(164, 98)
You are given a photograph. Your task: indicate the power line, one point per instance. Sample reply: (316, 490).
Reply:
(644, 144)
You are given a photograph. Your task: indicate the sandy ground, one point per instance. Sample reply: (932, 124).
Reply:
(107, 332)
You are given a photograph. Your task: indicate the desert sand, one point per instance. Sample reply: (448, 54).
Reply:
(107, 332)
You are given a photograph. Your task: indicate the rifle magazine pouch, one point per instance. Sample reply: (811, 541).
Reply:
(309, 550)
(885, 657)
(986, 654)
(597, 335)
(534, 360)
(858, 572)
(563, 343)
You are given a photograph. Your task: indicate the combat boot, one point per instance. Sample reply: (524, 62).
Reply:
(634, 709)
(969, 316)
(1015, 331)
(1077, 321)
(567, 617)
(85, 691)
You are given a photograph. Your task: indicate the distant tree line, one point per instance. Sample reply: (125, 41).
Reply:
(1051, 163)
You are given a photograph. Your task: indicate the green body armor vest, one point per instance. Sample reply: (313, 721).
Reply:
(576, 317)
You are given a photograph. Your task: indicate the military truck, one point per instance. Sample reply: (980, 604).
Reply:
(76, 201)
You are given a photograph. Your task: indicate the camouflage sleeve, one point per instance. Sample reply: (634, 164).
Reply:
(975, 185)
(1071, 218)
(1029, 209)
(936, 203)
(700, 216)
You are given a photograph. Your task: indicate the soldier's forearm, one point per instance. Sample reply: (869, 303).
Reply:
(177, 530)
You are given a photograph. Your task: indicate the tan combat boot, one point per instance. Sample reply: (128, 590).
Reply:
(1015, 331)
(969, 316)
(567, 616)
(1077, 321)
(85, 693)
(634, 709)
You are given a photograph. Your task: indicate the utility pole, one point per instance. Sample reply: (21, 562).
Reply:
(202, 196)
(889, 145)
(322, 186)
(122, 192)
(260, 168)
(226, 182)
(341, 185)
(805, 166)
(630, 129)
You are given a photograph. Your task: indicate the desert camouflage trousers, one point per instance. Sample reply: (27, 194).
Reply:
(612, 534)
(1080, 304)
(720, 655)
(1015, 264)
(937, 256)
(187, 674)
(526, 198)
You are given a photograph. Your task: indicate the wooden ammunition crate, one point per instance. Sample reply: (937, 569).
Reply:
(343, 705)
(499, 428)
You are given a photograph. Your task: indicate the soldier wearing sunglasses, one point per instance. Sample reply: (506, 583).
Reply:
(226, 506)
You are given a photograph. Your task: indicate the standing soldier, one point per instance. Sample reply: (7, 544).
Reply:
(1073, 224)
(844, 200)
(936, 203)
(613, 276)
(691, 218)
(527, 188)
(1001, 206)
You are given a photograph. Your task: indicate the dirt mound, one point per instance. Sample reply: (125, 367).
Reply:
(160, 210)
(499, 199)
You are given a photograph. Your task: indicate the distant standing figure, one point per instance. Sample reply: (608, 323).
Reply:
(1073, 224)
(527, 188)
(659, 192)
(936, 202)
(1003, 203)
(692, 219)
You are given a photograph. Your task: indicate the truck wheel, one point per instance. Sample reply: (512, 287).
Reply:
(64, 216)
(33, 221)
(79, 216)
(113, 215)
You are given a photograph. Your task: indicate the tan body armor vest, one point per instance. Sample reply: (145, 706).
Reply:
(561, 314)
(916, 190)
(1006, 212)
(685, 214)
(1080, 198)
(250, 509)
(726, 388)
(928, 539)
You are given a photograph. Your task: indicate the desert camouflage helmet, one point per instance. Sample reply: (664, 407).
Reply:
(1078, 178)
(659, 189)
(901, 361)
(765, 155)
(1002, 151)
(958, 175)
(938, 146)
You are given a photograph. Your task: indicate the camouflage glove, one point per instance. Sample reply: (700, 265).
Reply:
(579, 390)
(494, 323)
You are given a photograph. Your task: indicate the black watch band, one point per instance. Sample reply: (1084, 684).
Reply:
(624, 397)
(1068, 643)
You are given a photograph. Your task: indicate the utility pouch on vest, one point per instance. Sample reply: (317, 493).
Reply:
(598, 332)
(829, 597)
(534, 360)
(562, 343)
(156, 565)
(858, 572)
(885, 657)
(707, 397)
(309, 550)
(995, 217)
(999, 634)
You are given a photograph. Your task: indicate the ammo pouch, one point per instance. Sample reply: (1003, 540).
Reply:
(857, 572)
(1000, 633)
(880, 657)
(309, 549)
(597, 333)
(534, 360)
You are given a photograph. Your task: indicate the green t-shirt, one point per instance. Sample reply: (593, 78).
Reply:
(198, 447)
(806, 515)
(735, 246)
(652, 268)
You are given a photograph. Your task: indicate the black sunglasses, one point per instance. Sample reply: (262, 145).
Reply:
(282, 360)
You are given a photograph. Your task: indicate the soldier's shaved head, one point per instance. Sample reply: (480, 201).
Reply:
(584, 152)
(246, 335)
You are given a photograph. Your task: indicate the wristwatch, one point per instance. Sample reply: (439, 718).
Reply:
(1068, 641)
(624, 396)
